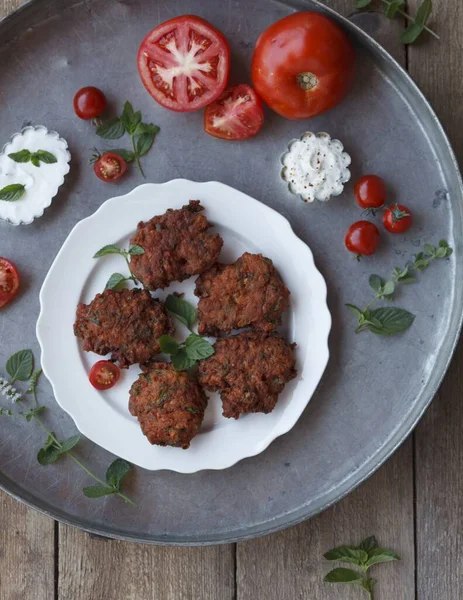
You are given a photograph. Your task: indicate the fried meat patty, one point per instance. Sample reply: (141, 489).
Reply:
(169, 405)
(177, 245)
(247, 292)
(126, 324)
(249, 370)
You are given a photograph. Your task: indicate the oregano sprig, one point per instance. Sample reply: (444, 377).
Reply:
(390, 320)
(364, 556)
(117, 279)
(20, 367)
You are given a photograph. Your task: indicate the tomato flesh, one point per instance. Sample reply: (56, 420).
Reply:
(397, 219)
(236, 115)
(9, 281)
(303, 65)
(110, 167)
(184, 63)
(370, 192)
(104, 375)
(89, 103)
(362, 238)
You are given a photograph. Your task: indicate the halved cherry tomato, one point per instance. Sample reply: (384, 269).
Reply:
(397, 218)
(236, 115)
(9, 281)
(110, 167)
(184, 63)
(370, 192)
(362, 238)
(89, 103)
(303, 65)
(104, 375)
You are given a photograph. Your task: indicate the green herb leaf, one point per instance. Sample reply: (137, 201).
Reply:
(51, 452)
(393, 320)
(34, 381)
(381, 555)
(362, 3)
(12, 192)
(136, 250)
(415, 29)
(47, 456)
(358, 313)
(146, 128)
(393, 7)
(198, 348)
(113, 129)
(129, 118)
(116, 472)
(109, 249)
(143, 143)
(127, 155)
(46, 157)
(69, 444)
(181, 309)
(114, 281)
(342, 575)
(376, 283)
(388, 288)
(32, 412)
(35, 161)
(98, 491)
(20, 366)
(348, 554)
(181, 361)
(168, 345)
(369, 544)
(23, 156)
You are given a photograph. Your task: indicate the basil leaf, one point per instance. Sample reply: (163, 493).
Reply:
(20, 366)
(23, 156)
(376, 282)
(182, 361)
(113, 129)
(146, 128)
(129, 118)
(342, 575)
(98, 491)
(117, 470)
(369, 544)
(381, 555)
(348, 554)
(393, 7)
(168, 345)
(197, 347)
(143, 143)
(115, 280)
(136, 250)
(46, 157)
(12, 192)
(393, 320)
(35, 161)
(109, 249)
(127, 155)
(182, 309)
(69, 443)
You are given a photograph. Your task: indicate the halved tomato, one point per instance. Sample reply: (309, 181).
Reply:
(9, 281)
(110, 167)
(104, 375)
(184, 63)
(236, 115)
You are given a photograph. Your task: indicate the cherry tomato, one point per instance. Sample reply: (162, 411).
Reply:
(9, 281)
(397, 218)
(370, 192)
(89, 103)
(110, 167)
(362, 238)
(104, 375)
(236, 115)
(303, 65)
(184, 63)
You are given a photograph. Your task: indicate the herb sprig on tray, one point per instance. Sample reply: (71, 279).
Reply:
(390, 320)
(117, 279)
(418, 23)
(25, 156)
(141, 134)
(364, 556)
(12, 192)
(20, 367)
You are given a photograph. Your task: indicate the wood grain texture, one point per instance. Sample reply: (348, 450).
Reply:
(93, 569)
(439, 439)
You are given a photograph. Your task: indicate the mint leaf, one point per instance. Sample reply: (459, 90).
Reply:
(348, 554)
(381, 555)
(168, 345)
(342, 575)
(32, 412)
(129, 118)
(113, 129)
(136, 250)
(181, 361)
(127, 155)
(12, 192)
(182, 309)
(109, 249)
(35, 161)
(23, 156)
(46, 157)
(116, 472)
(98, 491)
(69, 444)
(369, 544)
(114, 281)
(20, 366)
(198, 348)
(143, 143)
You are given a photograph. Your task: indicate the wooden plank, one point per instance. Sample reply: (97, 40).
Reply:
(92, 568)
(290, 565)
(439, 439)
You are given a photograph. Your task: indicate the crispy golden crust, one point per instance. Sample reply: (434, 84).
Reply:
(249, 370)
(247, 292)
(169, 405)
(126, 324)
(177, 245)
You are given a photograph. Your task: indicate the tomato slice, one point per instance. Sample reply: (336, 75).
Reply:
(236, 115)
(104, 375)
(110, 167)
(9, 281)
(184, 63)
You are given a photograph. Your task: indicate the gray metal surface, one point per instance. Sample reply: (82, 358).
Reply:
(374, 390)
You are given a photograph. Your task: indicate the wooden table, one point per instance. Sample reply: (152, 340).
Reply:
(414, 504)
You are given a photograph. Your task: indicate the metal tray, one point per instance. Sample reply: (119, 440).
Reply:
(374, 391)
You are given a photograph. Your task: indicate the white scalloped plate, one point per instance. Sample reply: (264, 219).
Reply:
(245, 224)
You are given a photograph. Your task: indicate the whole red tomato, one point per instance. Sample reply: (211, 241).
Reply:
(397, 218)
(370, 192)
(362, 238)
(303, 65)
